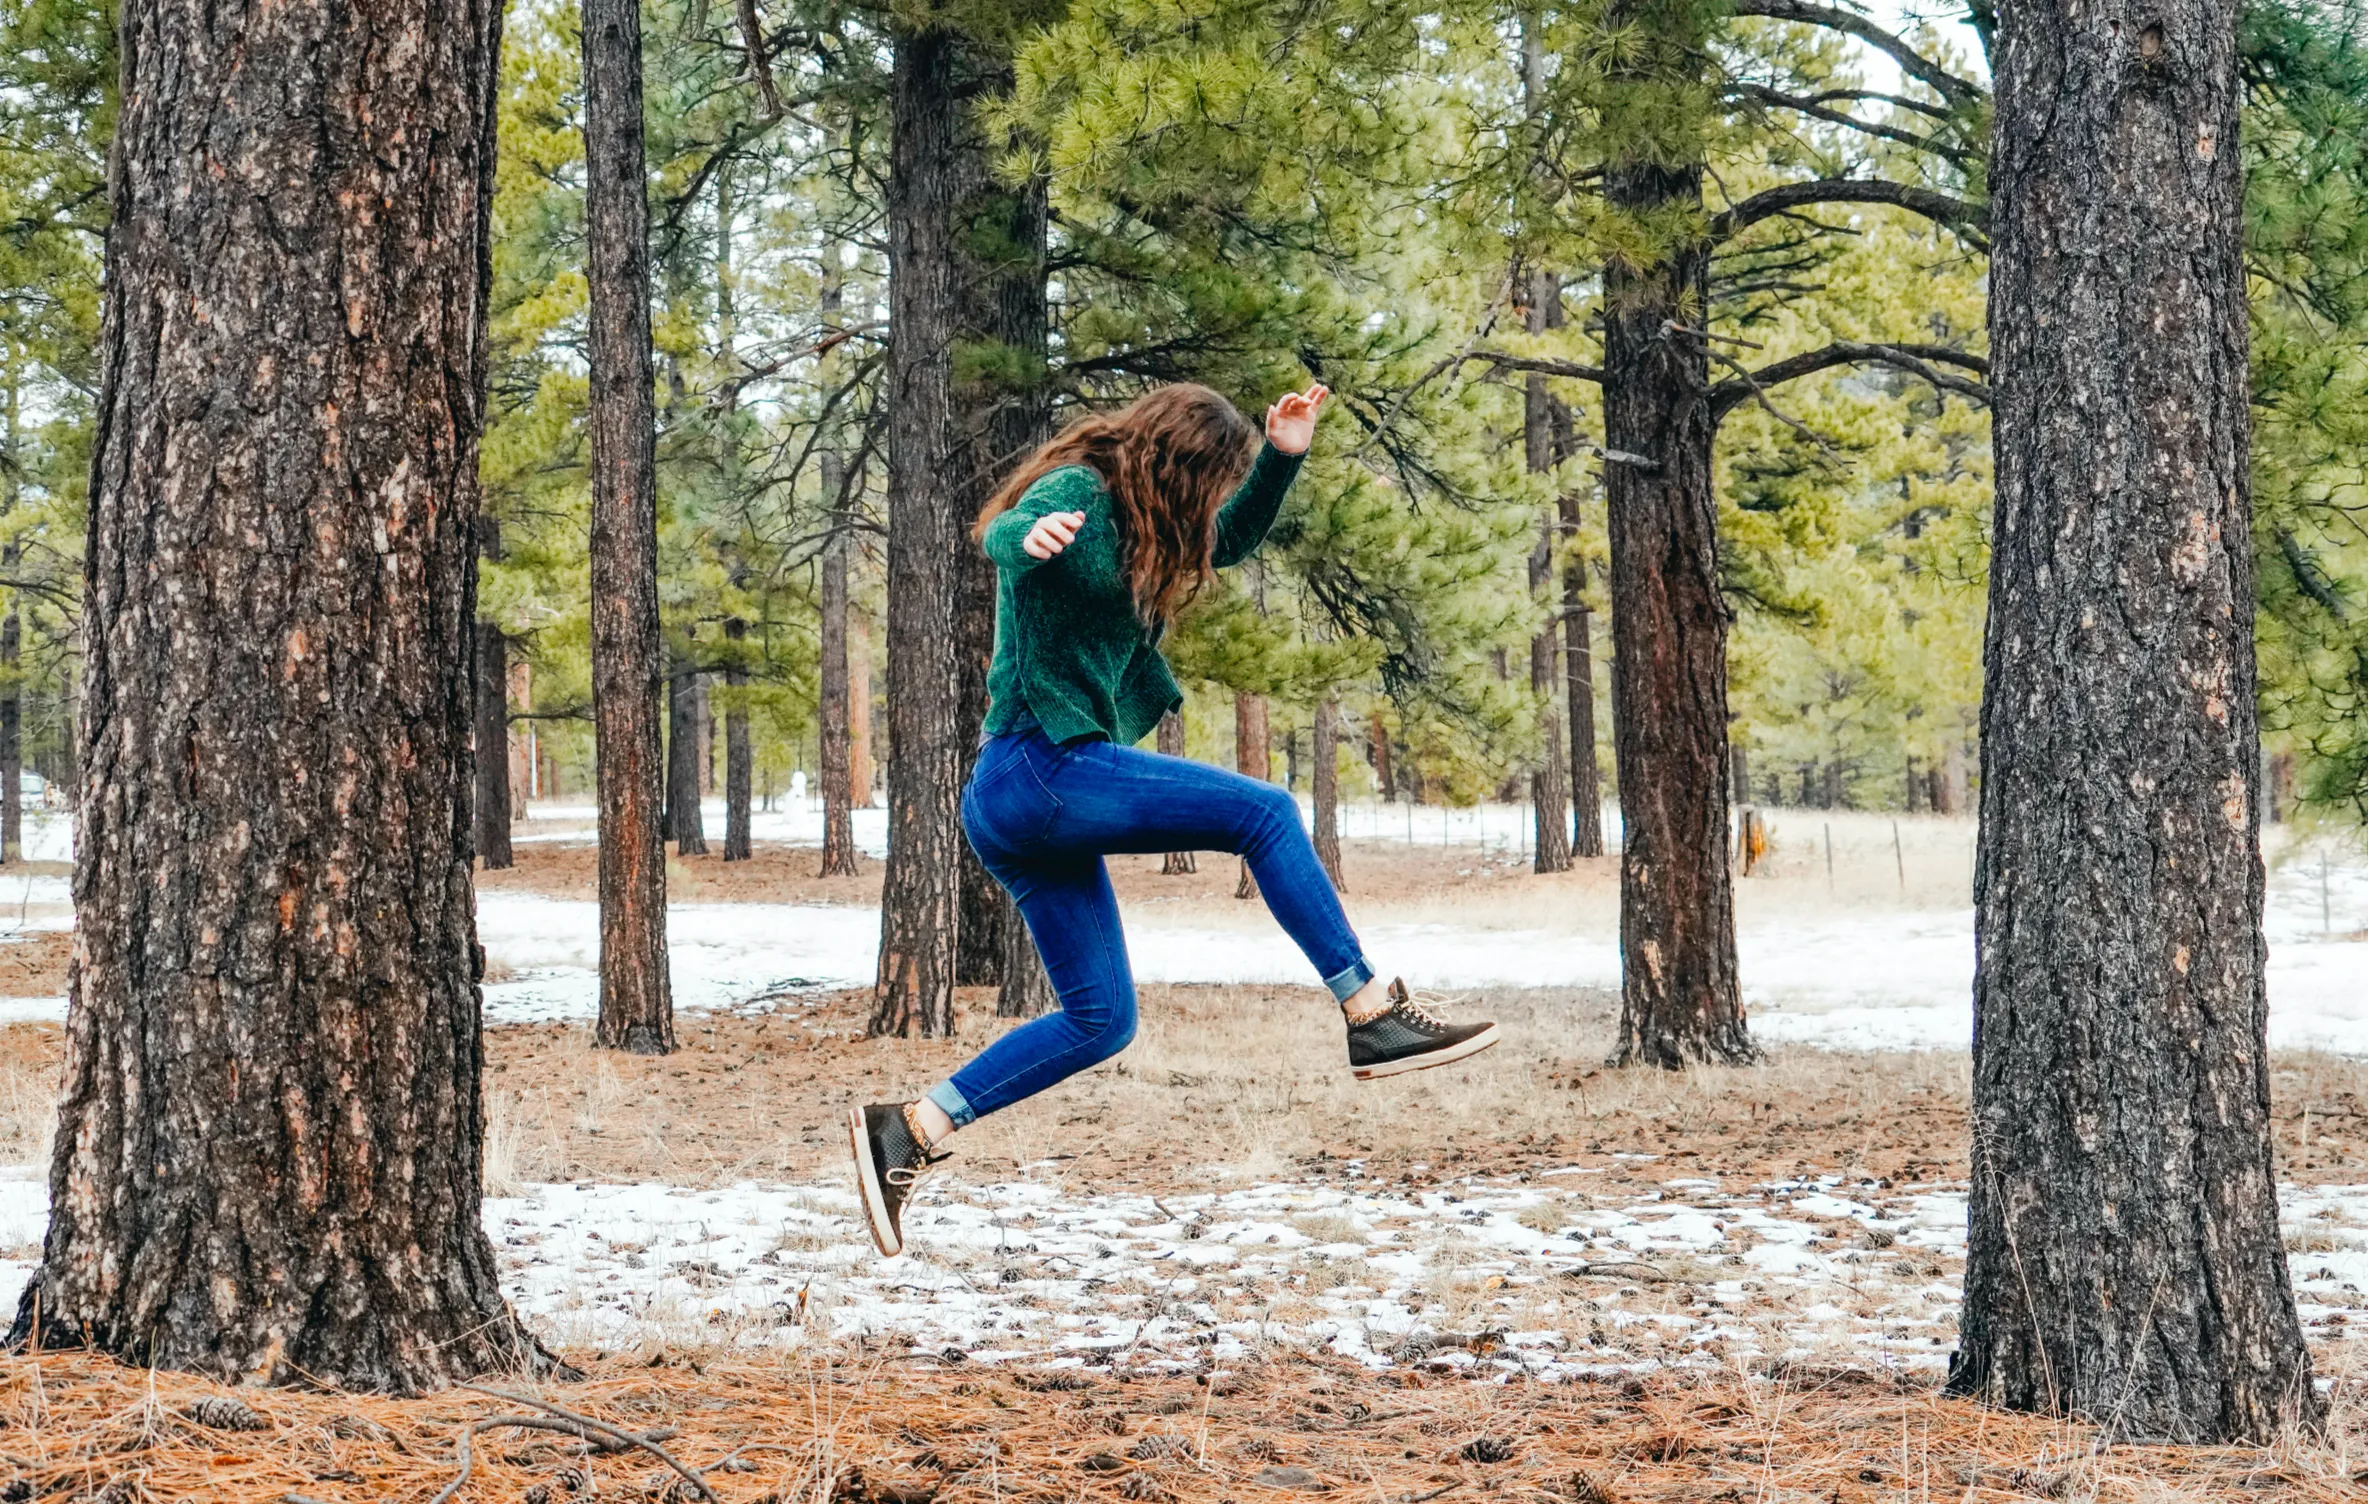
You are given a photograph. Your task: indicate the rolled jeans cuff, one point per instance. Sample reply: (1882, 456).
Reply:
(1344, 984)
(949, 1098)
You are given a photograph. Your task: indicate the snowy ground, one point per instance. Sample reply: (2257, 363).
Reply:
(1854, 971)
(1544, 1276)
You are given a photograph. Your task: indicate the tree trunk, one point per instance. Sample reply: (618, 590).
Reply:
(1549, 782)
(685, 824)
(1005, 304)
(1171, 744)
(492, 678)
(491, 731)
(943, 202)
(836, 732)
(1679, 1001)
(1954, 794)
(1026, 991)
(1377, 735)
(628, 656)
(738, 759)
(2123, 1260)
(12, 627)
(267, 1159)
(1326, 737)
(703, 722)
(1253, 757)
(1578, 663)
(863, 774)
(837, 750)
(12, 742)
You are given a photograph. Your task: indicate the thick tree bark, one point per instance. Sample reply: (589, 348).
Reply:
(1326, 738)
(2123, 1259)
(1006, 305)
(1253, 757)
(739, 760)
(1679, 1001)
(267, 1158)
(685, 824)
(942, 204)
(1171, 744)
(1026, 991)
(628, 657)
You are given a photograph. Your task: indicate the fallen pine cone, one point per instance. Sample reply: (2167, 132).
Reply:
(219, 1412)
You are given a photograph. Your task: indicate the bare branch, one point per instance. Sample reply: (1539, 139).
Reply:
(1939, 207)
(1776, 99)
(760, 62)
(1920, 361)
(1509, 362)
(1957, 91)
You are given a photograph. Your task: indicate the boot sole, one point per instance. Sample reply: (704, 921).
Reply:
(1423, 1062)
(867, 1185)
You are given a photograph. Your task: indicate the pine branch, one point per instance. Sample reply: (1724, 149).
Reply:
(1777, 99)
(1510, 362)
(1917, 360)
(1957, 91)
(1941, 208)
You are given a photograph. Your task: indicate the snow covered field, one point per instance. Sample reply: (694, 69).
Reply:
(1851, 970)
(1545, 1276)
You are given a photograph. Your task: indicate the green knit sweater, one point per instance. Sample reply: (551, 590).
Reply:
(1070, 652)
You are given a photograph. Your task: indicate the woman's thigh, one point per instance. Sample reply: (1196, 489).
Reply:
(1118, 799)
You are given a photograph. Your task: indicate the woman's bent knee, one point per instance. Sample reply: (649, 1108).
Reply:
(1107, 1031)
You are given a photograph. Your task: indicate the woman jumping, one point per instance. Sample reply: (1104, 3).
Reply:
(1099, 539)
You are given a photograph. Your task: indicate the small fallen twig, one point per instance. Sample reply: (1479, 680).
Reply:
(1624, 1270)
(689, 1475)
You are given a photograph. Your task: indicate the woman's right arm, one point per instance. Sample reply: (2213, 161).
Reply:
(1040, 524)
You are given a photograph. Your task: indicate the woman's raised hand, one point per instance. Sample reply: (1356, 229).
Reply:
(1291, 422)
(1053, 532)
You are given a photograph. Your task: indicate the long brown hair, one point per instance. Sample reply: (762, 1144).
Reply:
(1170, 458)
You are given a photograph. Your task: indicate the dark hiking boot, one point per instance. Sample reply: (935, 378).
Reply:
(1406, 1037)
(889, 1161)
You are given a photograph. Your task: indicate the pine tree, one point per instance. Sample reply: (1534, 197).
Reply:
(276, 1176)
(2123, 1257)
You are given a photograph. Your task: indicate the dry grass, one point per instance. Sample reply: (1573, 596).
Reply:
(905, 1429)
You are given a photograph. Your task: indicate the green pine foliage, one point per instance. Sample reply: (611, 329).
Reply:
(1253, 196)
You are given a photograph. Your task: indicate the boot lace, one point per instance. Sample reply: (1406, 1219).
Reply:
(1412, 1007)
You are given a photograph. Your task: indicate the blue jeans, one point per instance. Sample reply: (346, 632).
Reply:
(1042, 816)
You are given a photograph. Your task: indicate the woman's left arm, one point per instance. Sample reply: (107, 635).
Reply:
(1243, 521)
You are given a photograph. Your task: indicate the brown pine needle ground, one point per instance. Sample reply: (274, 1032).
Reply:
(910, 1430)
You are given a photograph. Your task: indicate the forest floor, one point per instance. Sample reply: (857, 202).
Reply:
(1218, 1267)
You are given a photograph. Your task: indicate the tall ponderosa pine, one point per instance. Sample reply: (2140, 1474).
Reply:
(267, 1163)
(952, 233)
(628, 656)
(2123, 1260)
(1653, 101)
